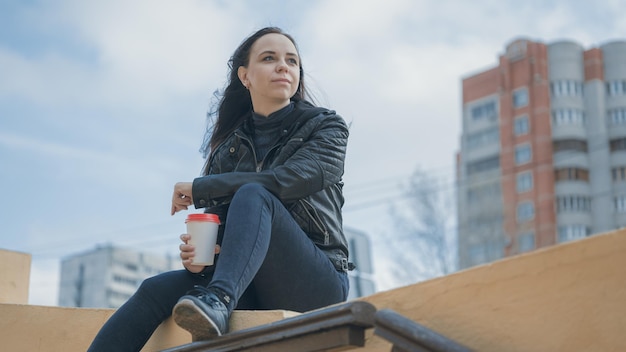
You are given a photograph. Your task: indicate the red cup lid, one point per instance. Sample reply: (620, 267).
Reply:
(203, 217)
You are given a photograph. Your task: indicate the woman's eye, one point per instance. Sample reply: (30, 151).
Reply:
(293, 61)
(268, 58)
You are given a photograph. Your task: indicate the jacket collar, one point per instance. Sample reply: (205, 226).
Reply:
(302, 111)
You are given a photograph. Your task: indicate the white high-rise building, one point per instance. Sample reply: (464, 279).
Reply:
(361, 278)
(107, 276)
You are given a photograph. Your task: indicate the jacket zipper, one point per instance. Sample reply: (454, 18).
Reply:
(315, 220)
(259, 165)
(259, 168)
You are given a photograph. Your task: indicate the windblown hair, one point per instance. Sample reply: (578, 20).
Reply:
(234, 103)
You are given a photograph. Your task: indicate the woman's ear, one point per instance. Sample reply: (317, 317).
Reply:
(242, 73)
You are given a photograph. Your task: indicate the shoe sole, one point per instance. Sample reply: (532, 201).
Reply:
(191, 318)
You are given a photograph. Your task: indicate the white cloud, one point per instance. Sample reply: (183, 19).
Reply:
(139, 52)
(79, 172)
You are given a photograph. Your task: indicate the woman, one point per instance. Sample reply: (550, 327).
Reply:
(273, 175)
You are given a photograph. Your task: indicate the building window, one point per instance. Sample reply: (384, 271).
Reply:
(571, 174)
(525, 211)
(526, 242)
(569, 145)
(620, 203)
(520, 98)
(568, 117)
(477, 254)
(524, 182)
(124, 280)
(573, 204)
(521, 125)
(617, 87)
(130, 266)
(566, 88)
(486, 110)
(523, 154)
(483, 192)
(617, 116)
(618, 144)
(619, 173)
(484, 137)
(117, 295)
(486, 251)
(491, 163)
(572, 232)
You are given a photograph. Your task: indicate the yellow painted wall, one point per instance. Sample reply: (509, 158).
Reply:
(14, 277)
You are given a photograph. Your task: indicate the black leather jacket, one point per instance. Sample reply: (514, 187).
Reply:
(303, 169)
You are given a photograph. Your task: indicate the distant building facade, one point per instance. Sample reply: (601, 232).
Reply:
(543, 149)
(361, 278)
(107, 276)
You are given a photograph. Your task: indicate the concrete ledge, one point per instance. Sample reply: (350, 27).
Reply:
(569, 297)
(51, 329)
(14, 277)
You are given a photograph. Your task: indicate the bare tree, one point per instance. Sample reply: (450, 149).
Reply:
(422, 244)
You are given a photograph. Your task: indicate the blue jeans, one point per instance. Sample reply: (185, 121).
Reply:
(266, 262)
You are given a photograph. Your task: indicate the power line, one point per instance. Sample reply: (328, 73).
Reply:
(384, 183)
(456, 185)
(503, 174)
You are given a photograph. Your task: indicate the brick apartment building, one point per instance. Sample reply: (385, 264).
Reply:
(543, 149)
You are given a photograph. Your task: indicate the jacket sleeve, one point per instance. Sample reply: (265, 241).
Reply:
(314, 164)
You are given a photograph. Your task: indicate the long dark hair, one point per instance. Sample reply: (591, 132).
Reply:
(234, 103)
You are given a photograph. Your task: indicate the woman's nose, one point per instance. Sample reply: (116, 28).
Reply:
(282, 66)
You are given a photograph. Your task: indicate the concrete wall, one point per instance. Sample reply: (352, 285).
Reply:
(569, 297)
(31, 328)
(61, 329)
(14, 277)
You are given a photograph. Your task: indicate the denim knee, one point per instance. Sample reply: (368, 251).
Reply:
(150, 284)
(162, 291)
(167, 286)
(250, 190)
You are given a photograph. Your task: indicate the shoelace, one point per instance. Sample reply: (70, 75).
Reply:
(201, 291)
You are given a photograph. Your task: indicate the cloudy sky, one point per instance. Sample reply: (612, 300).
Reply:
(103, 103)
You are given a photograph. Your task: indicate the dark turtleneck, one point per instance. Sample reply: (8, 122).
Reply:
(267, 130)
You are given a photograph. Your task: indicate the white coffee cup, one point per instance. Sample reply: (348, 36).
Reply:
(202, 228)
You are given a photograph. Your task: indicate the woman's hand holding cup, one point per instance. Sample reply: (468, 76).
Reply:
(187, 252)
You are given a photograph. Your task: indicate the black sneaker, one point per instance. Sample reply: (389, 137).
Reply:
(202, 313)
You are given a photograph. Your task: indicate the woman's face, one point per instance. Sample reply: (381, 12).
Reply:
(273, 73)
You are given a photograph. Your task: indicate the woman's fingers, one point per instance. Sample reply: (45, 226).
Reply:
(182, 197)
(186, 248)
(178, 207)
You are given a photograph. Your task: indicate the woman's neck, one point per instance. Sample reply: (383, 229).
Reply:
(269, 107)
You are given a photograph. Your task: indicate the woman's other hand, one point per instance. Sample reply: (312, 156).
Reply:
(181, 199)
(187, 252)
